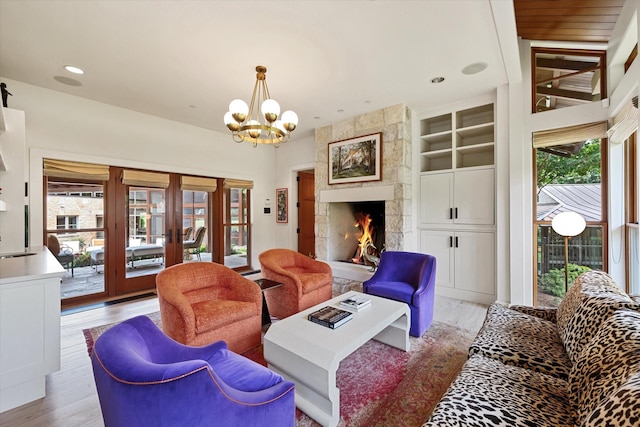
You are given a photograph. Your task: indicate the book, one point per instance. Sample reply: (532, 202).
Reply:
(356, 302)
(331, 317)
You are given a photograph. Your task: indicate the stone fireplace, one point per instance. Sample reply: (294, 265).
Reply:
(393, 191)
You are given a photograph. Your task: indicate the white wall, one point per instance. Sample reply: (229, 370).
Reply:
(73, 128)
(294, 156)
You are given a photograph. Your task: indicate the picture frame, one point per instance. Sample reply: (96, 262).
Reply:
(356, 159)
(282, 202)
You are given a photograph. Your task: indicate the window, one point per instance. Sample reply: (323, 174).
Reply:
(569, 177)
(567, 77)
(67, 222)
(632, 228)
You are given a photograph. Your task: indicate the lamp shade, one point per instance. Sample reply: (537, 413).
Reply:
(568, 224)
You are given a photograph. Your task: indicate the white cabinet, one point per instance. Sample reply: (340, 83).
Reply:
(456, 213)
(465, 262)
(461, 197)
(29, 326)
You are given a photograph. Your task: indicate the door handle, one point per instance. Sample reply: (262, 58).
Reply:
(178, 236)
(456, 213)
(450, 241)
(456, 241)
(170, 236)
(450, 213)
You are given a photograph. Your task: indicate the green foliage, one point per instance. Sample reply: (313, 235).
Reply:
(581, 168)
(553, 282)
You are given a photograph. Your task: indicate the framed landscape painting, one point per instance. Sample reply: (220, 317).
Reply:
(356, 159)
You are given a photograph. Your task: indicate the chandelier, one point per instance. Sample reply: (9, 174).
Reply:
(266, 126)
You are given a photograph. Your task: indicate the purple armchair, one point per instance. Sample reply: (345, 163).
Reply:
(144, 378)
(407, 277)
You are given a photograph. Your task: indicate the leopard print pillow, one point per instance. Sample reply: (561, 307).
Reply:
(591, 281)
(593, 310)
(605, 364)
(620, 409)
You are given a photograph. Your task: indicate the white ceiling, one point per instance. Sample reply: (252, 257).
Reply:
(186, 60)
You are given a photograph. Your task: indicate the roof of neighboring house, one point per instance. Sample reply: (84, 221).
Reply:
(584, 199)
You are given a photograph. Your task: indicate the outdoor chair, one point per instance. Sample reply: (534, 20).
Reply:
(63, 253)
(407, 277)
(194, 244)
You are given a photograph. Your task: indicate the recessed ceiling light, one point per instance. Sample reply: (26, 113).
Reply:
(437, 80)
(74, 70)
(474, 68)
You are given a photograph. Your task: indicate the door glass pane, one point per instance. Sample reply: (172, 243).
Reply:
(75, 232)
(144, 251)
(236, 227)
(195, 216)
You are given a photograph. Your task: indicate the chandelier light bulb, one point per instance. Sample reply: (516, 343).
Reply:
(239, 109)
(254, 128)
(230, 122)
(290, 120)
(279, 124)
(270, 110)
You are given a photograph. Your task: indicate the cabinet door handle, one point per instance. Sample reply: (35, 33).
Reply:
(450, 241)
(456, 241)
(456, 213)
(450, 213)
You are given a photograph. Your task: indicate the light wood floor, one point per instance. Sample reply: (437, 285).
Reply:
(71, 394)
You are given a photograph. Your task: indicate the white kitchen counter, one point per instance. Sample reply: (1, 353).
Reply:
(22, 268)
(29, 325)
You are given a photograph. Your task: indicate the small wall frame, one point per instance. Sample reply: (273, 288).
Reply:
(282, 203)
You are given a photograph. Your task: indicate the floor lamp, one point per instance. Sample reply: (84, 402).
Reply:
(568, 224)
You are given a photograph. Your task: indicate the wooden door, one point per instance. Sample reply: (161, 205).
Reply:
(306, 213)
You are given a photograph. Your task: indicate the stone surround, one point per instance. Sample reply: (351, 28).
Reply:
(395, 124)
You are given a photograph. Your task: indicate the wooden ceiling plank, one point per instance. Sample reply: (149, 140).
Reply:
(611, 19)
(565, 64)
(548, 4)
(563, 93)
(601, 26)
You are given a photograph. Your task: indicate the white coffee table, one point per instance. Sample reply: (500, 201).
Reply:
(309, 354)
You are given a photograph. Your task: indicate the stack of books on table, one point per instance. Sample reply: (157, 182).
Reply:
(331, 317)
(356, 302)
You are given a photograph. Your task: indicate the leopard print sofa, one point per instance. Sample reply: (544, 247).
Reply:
(577, 365)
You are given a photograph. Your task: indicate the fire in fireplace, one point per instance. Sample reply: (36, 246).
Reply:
(361, 225)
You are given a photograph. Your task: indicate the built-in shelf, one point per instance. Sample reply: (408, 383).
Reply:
(460, 139)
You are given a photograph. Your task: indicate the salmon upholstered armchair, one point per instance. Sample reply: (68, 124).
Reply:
(204, 302)
(306, 281)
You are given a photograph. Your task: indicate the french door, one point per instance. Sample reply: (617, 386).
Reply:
(117, 234)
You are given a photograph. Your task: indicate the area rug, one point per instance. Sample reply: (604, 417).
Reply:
(380, 385)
